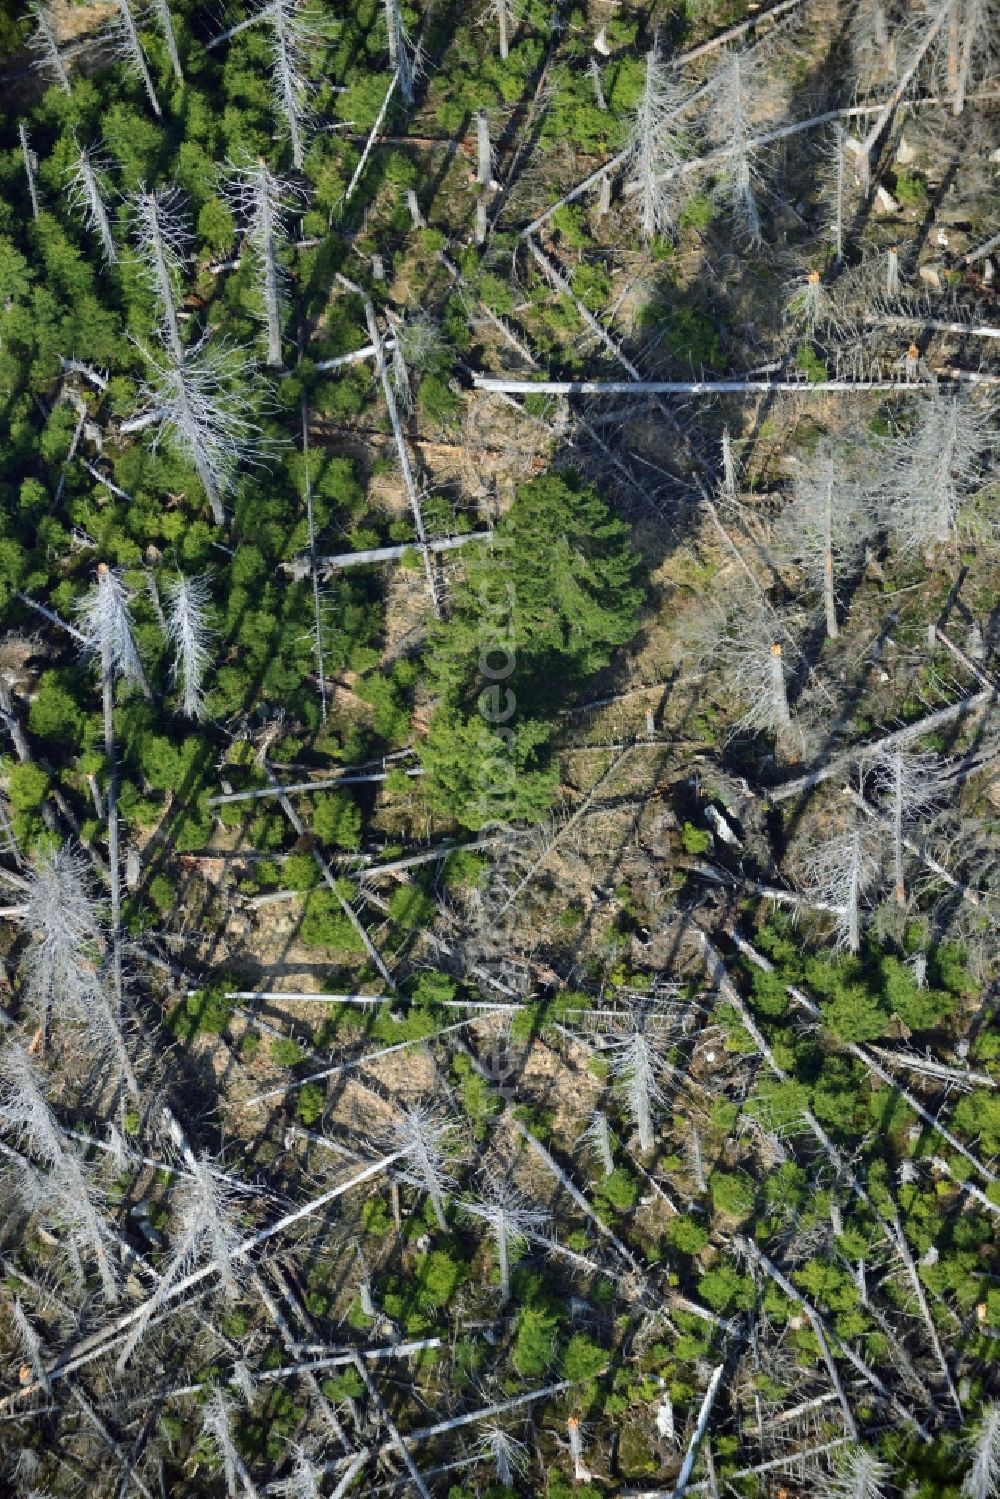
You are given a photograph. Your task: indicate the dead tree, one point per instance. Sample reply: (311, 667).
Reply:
(867, 146)
(45, 46)
(108, 631)
(573, 1191)
(265, 13)
(810, 303)
(638, 388)
(484, 151)
(911, 784)
(293, 39)
(976, 31)
(62, 1189)
(560, 830)
(933, 470)
(826, 526)
(417, 346)
(313, 567)
(399, 56)
(263, 200)
(404, 457)
(506, 15)
(129, 1478)
(190, 633)
(598, 1136)
(511, 1220)
(872, 44)
(206, 1224)
(31, 1345)
(858, 1475)
(162, 10)
(331, 881)
(638, 1056)
(299, 566)
(837, 190)
(95, 1344)
(162, 240)
(129, 49)
(373, 136)
(925, 1312)
(30, 167)
(199, 404)
(422, 1135)
(509, 1456)
(303, 1481)
(698, 1435)
(840, 873)
(754, 662)
(654, 146)
(736, 84)
(982, 1481)
(749, 1248)
(217, 1423)
(59, 964)
(85, 196)
(841, 762)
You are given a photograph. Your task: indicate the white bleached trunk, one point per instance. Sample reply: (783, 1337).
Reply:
(503, 1255)
(602, 1137)
(97, 208)
(317, 610)
(30, 162)
(269, 254)
(892, 273)
(777, 688)
(897, 828)
(838, 237)
(398, 59)
(162, 9)
(697, 1165)
(373, 135)
(138, 56)
(163, 282)
(98, 1342)
(200, 458)
(484, 175)
(108, 702)
(885, 114)
(404, 457)
(829, 598)
(416, 217)
(260, 15)
(291, 108)
(48, 43)
(704, 1416)
(639, 387)
(912, 731)
(973, 19)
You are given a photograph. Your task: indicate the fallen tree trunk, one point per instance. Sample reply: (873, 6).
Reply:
(898, 320)
(299, 787)
(894, 740)
(697, 1436)
(99, 1342)
(299, 566)
(330, 881)
(864, 1055)
(498, 384)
